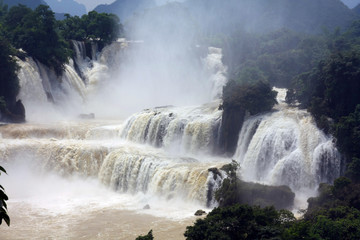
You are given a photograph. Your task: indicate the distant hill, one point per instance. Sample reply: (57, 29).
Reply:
(67, 6)
(125, 8)
(29, 3)
(357, 9)
(310, 16)
(351, 3)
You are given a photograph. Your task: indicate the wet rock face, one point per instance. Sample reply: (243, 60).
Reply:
(231, 123)
(200, 212)
(14, 113)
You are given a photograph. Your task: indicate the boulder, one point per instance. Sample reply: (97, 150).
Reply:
(200, 212)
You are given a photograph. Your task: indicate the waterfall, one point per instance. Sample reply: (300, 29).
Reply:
(181, 129)
(81, 63)
(70, 149)
(85, 83)
(130, 170)
(213, 63)
(163, 151)
(31, 86)
(285, 147)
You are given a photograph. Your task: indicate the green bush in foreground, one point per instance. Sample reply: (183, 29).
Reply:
(240, 222)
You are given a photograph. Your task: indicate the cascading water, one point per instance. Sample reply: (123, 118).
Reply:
(213, 63)
(31, 84)
(159, 156)
(184, 129)
(285, 147)
(127, 168)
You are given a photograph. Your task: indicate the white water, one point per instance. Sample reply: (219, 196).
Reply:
(178, 130)
(75, 172)
(285, 147)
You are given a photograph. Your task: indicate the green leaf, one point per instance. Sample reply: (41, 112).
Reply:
(3, 195)
(2, 169)
(5, 216)
(3, 204)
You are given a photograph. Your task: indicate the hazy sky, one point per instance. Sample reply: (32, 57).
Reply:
(91, 4)
(351, 3)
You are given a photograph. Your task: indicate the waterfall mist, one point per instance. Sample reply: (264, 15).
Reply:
(161, 65)
(154, 140)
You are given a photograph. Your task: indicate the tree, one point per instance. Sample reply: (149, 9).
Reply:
(101, 27)
(254, 97)
(36, 33)
(240, 222)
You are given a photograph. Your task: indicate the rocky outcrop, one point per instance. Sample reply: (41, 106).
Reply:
(14, 113)
(231, 123)
(200, 212)
(233, 190)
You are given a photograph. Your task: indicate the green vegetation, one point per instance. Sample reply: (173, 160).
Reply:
(3, 206)
(44, 38)
(101, 27)
(334, 215)
(276, 57)
(331, 92)
(253, 97)
(322, 74)
(240, 222)
(35, 32)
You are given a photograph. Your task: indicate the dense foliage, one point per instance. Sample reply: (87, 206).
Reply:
(253, 97)
(323, 75)
(44, 38)
(35, 32)
(276, 57)
(331, 92)
(334, 215)
(240, 222)
(101, 27)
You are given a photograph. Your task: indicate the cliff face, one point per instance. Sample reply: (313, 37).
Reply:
(14, 113)
(231, 123)
(356, 9)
